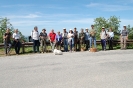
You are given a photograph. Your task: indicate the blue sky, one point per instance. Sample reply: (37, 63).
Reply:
(59, 14)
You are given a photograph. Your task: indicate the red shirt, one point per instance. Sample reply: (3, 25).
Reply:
(52, 36)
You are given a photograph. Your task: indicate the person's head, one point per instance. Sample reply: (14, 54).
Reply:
(43, 30)
(92, 26)
(75, 29)
(36, 28)
(52, 31)
(110, 30)
(58, 32)
(7, 30)
(16, 31)
(70, 31)
(86, 29)
(124, 27)
(82, 30)
(103, 28)
(64, 29)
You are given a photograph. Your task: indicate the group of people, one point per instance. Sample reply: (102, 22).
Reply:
(73, 39)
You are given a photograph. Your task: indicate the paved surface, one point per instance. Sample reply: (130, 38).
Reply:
(103, 69)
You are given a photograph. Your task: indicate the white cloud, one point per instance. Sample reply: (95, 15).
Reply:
(108, 7)
(23, 16)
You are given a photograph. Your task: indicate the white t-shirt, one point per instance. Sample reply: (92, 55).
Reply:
(16, 36)
(111, 34)
(35, 35)
(70, 38)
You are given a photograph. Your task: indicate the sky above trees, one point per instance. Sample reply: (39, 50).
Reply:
(59, 14)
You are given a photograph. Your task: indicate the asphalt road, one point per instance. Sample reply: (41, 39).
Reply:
(103, 69)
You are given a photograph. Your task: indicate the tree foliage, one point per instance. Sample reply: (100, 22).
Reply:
(4, 24)
(112, 22)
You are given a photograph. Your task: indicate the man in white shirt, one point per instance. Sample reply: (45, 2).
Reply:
(16, 42)
(35, 37)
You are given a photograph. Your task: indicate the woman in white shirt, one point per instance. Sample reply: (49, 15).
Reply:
(71, 39)
(110, 39)
(16, 42)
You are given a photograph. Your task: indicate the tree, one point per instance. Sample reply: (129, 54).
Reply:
(4, 24)
(112, 22)
(130, 31)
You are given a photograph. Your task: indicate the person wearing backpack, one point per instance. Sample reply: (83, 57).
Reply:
(103, 36)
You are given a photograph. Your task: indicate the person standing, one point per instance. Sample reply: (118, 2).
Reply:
(124, 37)
(92, 36)
(87, 38)
(82, 38)
(7, 41)
(103, 36)
(75, 39)
(71, 40)
(58, 40)
(16, 42)
(35, 37)
(52, 38)
(43, 39)
(110, 38)
(65, 39)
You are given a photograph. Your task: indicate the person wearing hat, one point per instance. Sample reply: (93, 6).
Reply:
(65, 39)
(124, 37)
(76, 40)
(82, 37)
(92, 36)
(43, 40)
(70, 37)
(87, 38)
(35, 37)
(52, 38)
(103, 36)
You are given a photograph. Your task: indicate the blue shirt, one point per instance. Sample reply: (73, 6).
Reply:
(58, 38)
(87, 35)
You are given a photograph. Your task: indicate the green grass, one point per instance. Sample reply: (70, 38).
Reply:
(29, 49)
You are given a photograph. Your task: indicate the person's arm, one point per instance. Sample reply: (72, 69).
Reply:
(49, 37)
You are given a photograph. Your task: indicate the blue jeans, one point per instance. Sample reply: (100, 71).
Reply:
(93, 39)
(103, 43)
(65, 45)
(36, 44)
